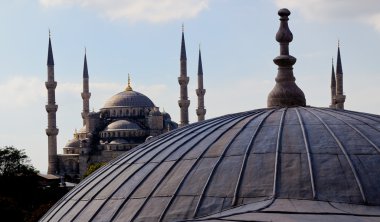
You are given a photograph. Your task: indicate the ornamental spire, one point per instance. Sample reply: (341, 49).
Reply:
(340, 98)
(183, 46)
(333, 86)
(285, 93)
(85, 69)
(129, 87)
(50, 58)
(201, 111)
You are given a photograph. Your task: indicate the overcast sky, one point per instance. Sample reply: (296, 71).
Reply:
(142, 37)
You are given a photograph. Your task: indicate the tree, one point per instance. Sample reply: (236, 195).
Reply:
(92, 167)
(14, 162)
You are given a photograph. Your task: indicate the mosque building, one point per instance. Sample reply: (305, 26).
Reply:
(127, 119)
(287, 162)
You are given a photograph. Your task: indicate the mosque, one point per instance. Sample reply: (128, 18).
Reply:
(127, 119)
(287, 162)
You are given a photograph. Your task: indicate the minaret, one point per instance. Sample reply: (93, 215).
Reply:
(285, 93)
(333, 87)
(340, 98)
(51, 109)
(201, 111)
(183, 80)
(86, 93)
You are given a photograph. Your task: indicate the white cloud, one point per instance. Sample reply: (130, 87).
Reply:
(154, 11)
(367, 11)
(21, 91)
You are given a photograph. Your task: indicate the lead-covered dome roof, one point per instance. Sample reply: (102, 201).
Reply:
(122, 125)
(129, 99)
(300, 153)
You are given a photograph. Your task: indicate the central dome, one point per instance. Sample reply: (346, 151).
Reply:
(129, 99)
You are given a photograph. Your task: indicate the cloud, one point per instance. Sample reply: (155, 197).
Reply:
(154, 11)
(21, 91)
(328, 10)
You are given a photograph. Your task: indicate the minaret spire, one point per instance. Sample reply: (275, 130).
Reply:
(201, 111)
(86, 91)
(51, 109)
(333, 86)
(340, 98)
(183, 81)
(285, 93)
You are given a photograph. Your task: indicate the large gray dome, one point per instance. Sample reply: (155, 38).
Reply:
(129, 99)
(311, 154)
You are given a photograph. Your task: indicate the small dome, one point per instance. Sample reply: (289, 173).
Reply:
(73, 143)
(229, 162)
(155, 112)
(118, 141)
(128, 99)
(122, 125)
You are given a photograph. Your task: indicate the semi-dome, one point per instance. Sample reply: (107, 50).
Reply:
(122, 125)
(301, 153)
(129, 99)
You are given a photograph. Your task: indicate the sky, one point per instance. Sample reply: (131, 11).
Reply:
(143, 37)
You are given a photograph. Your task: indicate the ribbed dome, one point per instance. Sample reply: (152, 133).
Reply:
(122, 125)
(223, 163)
(129, 99)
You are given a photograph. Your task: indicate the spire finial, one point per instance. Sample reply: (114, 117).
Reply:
(50, 59)
(285, 93)
(183, 27)
(338, 43)
(129, 88)
(49, 33)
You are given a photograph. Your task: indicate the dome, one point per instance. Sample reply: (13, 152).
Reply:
(255, 160)
(73, 143)
(122, 125)
(128, 99)
(118, 141)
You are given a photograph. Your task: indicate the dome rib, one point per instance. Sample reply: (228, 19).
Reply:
(179, 186)
(353, 169)
(245, 158)
(227, 146)
(278, 150)
(308, 153)
(356, 129)
(190, 149)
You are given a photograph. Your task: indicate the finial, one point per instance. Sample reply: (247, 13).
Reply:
(85, 50)
(129, 88)
(199, 46)
(49, 33)
(338, 43)
(285, 93)
(183, 27)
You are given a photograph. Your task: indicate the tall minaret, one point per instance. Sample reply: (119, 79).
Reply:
(51, 109)
(201, 111)
(333, 87)
(86, 93)
(340, 98)
(183, 80)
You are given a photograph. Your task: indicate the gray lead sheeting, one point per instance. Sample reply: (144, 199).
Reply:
(174, 170)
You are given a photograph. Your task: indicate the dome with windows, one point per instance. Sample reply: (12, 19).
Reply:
(122, 125)
(129, 99)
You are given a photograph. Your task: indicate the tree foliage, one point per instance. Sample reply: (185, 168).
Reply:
(92, 167)
(14, 162)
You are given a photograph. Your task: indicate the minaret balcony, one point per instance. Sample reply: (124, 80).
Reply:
(51, 108)
(52, 131)
(85, 95)
(200, 92)
(201, 111)
(51, 85)
(183, 80)
(184, 103)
